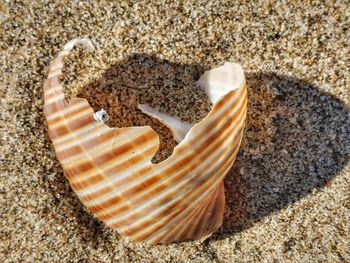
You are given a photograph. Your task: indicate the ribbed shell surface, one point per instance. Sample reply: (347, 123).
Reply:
(110, 169)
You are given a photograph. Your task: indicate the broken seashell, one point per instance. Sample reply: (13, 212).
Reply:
(110, 169)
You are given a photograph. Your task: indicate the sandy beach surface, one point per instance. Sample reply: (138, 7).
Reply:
(287, 195)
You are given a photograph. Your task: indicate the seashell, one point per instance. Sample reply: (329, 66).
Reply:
(110, 169)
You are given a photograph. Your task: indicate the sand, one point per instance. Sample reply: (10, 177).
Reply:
(288, 191)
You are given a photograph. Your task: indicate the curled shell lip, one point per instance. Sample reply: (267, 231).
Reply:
(110, 169)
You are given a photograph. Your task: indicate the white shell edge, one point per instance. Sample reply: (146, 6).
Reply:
(177, 127)
(218, 81)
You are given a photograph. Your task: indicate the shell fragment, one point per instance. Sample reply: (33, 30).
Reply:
(110, 169)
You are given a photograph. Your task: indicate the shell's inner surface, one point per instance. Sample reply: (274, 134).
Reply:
(219, 81)
(177, 127)
(111, 171)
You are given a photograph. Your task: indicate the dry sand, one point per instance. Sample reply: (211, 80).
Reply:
(288, 192)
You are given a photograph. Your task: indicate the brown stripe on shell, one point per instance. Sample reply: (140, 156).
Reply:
(110, 155)
(127, 163)
(52, 108)
(87, 132)
(183, 230)
(72, 112)
(85, 145)
(74, 124)
(109, 189)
